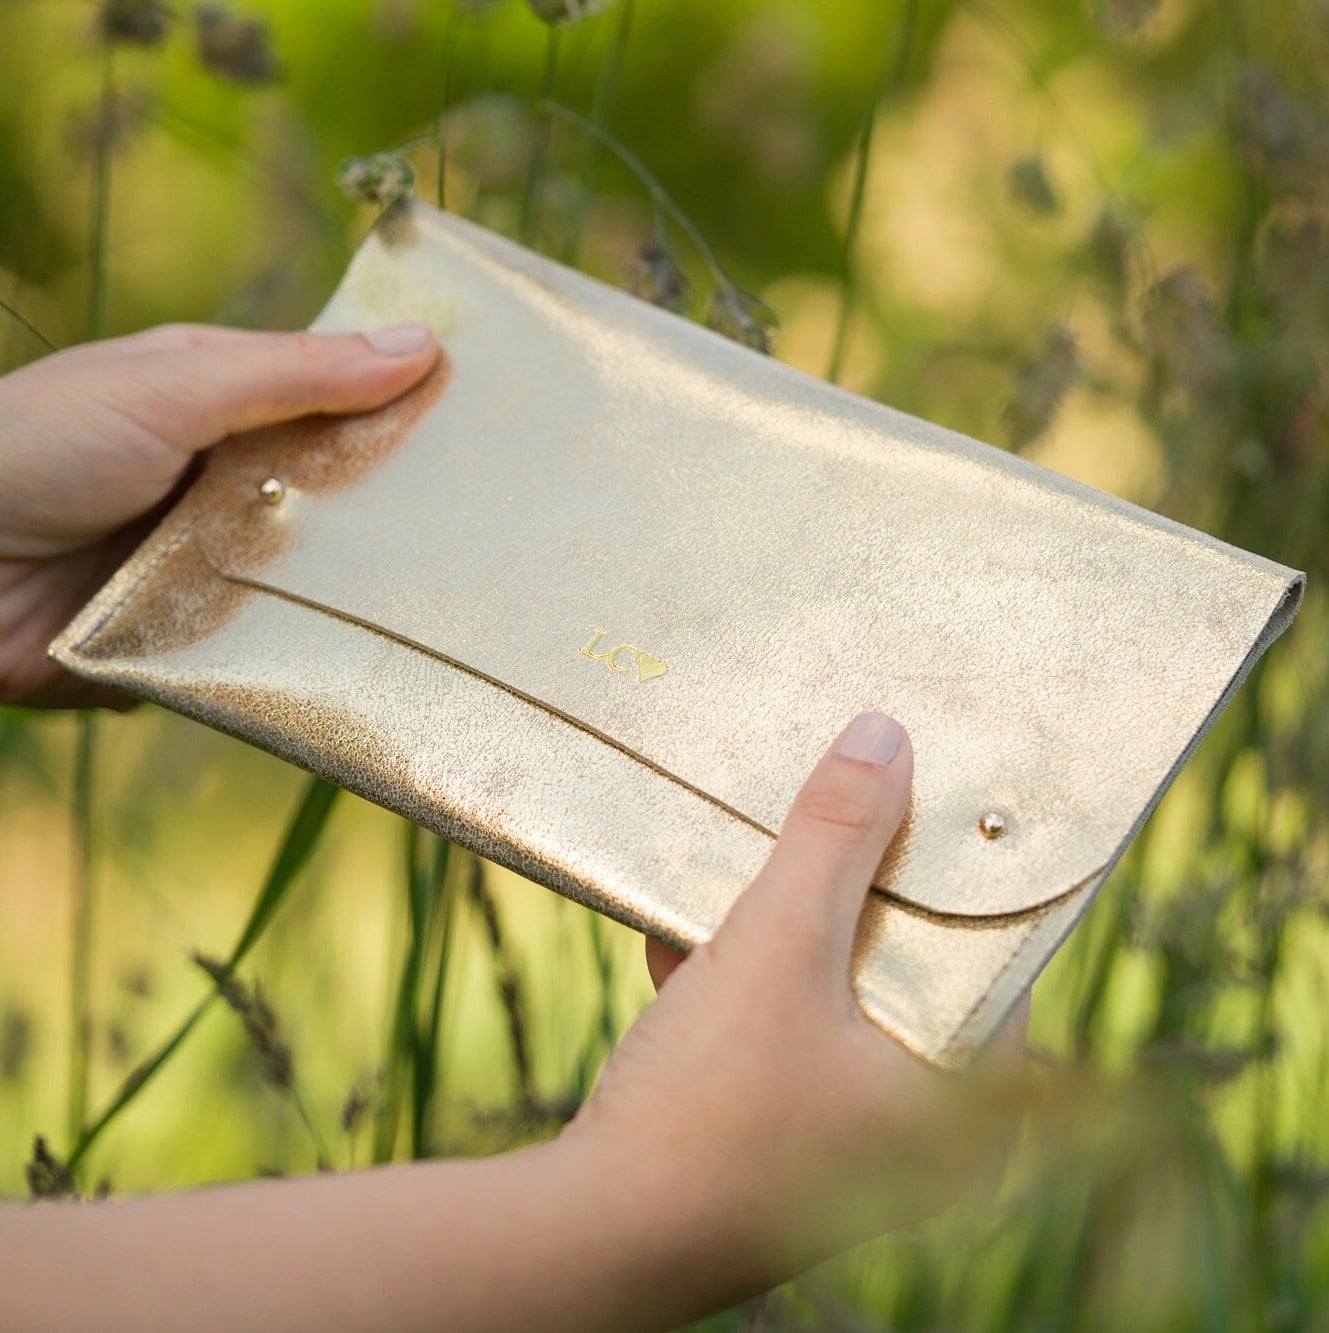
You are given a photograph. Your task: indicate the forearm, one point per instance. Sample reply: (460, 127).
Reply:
(542, 1239)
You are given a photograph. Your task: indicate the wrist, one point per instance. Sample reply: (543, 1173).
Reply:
(678, 1239)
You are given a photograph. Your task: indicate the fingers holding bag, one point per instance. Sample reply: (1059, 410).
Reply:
(754, 1094)
(810, 892)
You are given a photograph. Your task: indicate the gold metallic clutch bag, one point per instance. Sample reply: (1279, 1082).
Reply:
(594, 598)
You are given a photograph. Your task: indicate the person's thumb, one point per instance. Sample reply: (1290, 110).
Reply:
(234, 382)
(806, 900)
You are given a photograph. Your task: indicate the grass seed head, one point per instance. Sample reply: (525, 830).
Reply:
(135, 22)
(1184, 339)
(1031, 187)
(235, 47)
(741, 317)
(363, 1100)
(381, 179)
(654, 276)
(1042, 386)
(1108, 252)
(1121, 17)
(259, 1020)
(48, 1177)
(566, 11)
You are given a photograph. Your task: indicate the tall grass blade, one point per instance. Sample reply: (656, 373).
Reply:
(401, 1039)
(27, 325)
(602, 104)
(605, 1031)
(101, 194)
(511, 991)
(661, 200)
(80, 1001)
(411, 1066)
(892, 77)
(426, 1083)
(540, 151)
(297, 845)
(441, 121)
(80, 1017)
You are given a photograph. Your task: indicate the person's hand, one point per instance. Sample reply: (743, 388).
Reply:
(93, 440)
(756, 1114)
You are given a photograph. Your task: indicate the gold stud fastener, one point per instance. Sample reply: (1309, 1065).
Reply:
(992, 825)
(272, 490)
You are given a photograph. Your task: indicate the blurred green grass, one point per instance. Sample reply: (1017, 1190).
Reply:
(1105, 243)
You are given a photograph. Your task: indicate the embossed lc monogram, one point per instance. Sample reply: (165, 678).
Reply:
(647, 666)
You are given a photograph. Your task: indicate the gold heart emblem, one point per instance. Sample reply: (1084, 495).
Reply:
(649, 667)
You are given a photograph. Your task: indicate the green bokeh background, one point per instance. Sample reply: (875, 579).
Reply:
(1144, 182)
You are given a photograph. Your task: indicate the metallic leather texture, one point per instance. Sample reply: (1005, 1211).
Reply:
(595, 597)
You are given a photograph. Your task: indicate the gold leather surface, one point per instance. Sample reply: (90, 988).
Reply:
(761, 556)
(455, 754)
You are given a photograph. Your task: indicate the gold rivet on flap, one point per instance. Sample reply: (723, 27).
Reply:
(272, 491)
(992, 825)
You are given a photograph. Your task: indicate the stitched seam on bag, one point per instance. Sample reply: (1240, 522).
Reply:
(979, 922)
(282, 595)
(151, 568)
(969, 1018)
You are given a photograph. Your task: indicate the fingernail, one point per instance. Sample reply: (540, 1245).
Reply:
(400, 339)
(873, 738)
